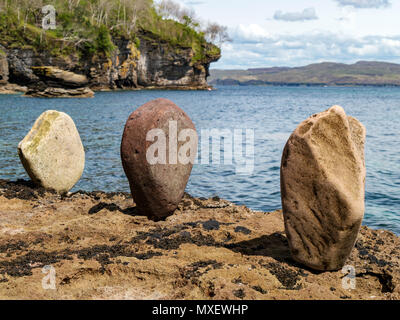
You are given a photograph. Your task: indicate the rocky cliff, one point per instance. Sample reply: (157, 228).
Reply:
(151, 63)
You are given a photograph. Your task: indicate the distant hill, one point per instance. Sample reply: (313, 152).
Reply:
(362, 73)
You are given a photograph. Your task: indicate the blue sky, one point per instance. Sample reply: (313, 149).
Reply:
(269, 33)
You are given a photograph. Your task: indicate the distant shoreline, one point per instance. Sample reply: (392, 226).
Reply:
(362, 73)
(306, 85)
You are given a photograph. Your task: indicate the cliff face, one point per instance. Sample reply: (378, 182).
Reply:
(161, 66)
(152, 64)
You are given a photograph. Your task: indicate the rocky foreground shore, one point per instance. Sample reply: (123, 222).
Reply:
(102, 248)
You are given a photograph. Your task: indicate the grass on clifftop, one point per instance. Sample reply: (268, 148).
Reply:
(87, 27)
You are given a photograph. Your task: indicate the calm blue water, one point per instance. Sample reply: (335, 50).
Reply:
(273, 112)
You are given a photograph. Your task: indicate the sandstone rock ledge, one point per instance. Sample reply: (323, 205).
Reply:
(12, 89)
(60, 93)
(102, 248)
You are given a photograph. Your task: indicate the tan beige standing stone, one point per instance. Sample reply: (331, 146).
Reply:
(323, 188)
(52, 153)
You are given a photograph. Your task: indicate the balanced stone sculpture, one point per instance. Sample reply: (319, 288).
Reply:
(52, 152)
(323, 188)
(158, 149)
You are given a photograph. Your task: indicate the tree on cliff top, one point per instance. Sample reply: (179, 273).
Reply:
(214, 32)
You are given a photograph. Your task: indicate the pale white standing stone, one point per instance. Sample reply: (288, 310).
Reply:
(52, 153)
(323, 188)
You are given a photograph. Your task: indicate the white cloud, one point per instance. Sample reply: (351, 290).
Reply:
(255, 47)
(364, 50)
(365, 3)
(305, 15)
(252, 32)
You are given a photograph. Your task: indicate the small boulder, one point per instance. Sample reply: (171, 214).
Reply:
(54, 77)
(323, 188)
(52, 152)
(157, 176)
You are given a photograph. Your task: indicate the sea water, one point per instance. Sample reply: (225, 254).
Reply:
(271, 112)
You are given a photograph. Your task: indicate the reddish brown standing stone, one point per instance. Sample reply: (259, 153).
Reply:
(157, 188)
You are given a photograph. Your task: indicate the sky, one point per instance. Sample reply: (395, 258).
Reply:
(269, 33)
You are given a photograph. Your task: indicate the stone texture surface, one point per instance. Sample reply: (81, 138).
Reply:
(156, 188)
(52, 152)
(12, 89)
(55, 77)
(210, 249)
(60, 93)
(323, 188)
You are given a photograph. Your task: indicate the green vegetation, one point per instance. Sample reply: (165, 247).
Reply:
(87, 27)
